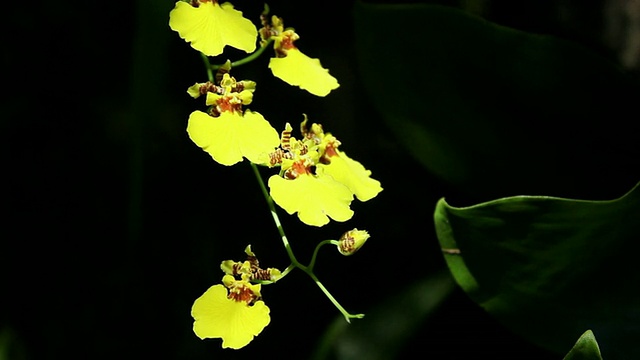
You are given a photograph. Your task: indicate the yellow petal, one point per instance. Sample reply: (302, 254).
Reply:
(300, 70)
(259, 138)
(230, 136)
(246, 96)
(212, 98)
(353, 175)
(216, 135)
(210, 27)
(236, 323)
(194, 90)
(314, 198)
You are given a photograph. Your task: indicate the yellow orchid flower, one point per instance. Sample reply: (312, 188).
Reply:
(352, 174)
(231, 136)
(227, 132)
(291, 65)
(232, 315)
(209, 26)
(250, 270)
(198, 89)
(339, 166)
(300, 188)
(307, 73)
(316, 180)
(315, 198)
(234, 311)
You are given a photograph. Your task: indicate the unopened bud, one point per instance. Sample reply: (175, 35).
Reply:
(351, 241)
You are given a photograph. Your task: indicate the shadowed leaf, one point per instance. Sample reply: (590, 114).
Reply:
(586, 348)
(548, 268)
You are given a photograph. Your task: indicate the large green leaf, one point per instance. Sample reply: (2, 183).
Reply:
(586, 348)
(548, 268)
(497, 111)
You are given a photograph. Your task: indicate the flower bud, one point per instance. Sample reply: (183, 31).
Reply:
(351, 241)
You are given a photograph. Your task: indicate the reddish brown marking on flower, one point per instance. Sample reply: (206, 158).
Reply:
(277, 156)
(196, 3)
(347, 243)
(262, 274)
(254, 264)
(238, 87)
(280, 53)
(285, 139)
(298, 168)
(303, 148)
(264, 20)
(287, 43)
(236, 268)
(220, 74)
(225, 105)
(304, 130)
(330, 151)
(242, 293)
(213, 111)
(314, 134)
(210, 87)
(228, 103)
(267, 30)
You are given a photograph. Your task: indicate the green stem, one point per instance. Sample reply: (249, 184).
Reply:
(287, 246)
(272, 208)
(274, 215)
(315, 252)
(246, 60)
(287, 271)
(335, 302)
(207, 65)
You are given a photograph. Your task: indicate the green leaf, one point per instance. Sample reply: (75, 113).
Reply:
(548, 268)
(496, 111)
(386, 328)
(586, 348)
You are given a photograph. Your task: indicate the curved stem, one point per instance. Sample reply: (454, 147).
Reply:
(294, 262)
(315, 252)
(246, 60)
(335, 302)
(287, 271)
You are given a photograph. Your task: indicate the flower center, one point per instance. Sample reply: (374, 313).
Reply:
(242, 293)
(298, 168)
(229, 103)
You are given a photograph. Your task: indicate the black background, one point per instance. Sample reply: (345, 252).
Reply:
(115, 221)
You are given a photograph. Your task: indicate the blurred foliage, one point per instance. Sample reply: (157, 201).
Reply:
(11, 348)
(496, 111)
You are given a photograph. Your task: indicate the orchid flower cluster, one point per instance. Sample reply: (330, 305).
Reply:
(315, 179)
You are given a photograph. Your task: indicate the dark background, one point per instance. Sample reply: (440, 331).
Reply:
(114, 221)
